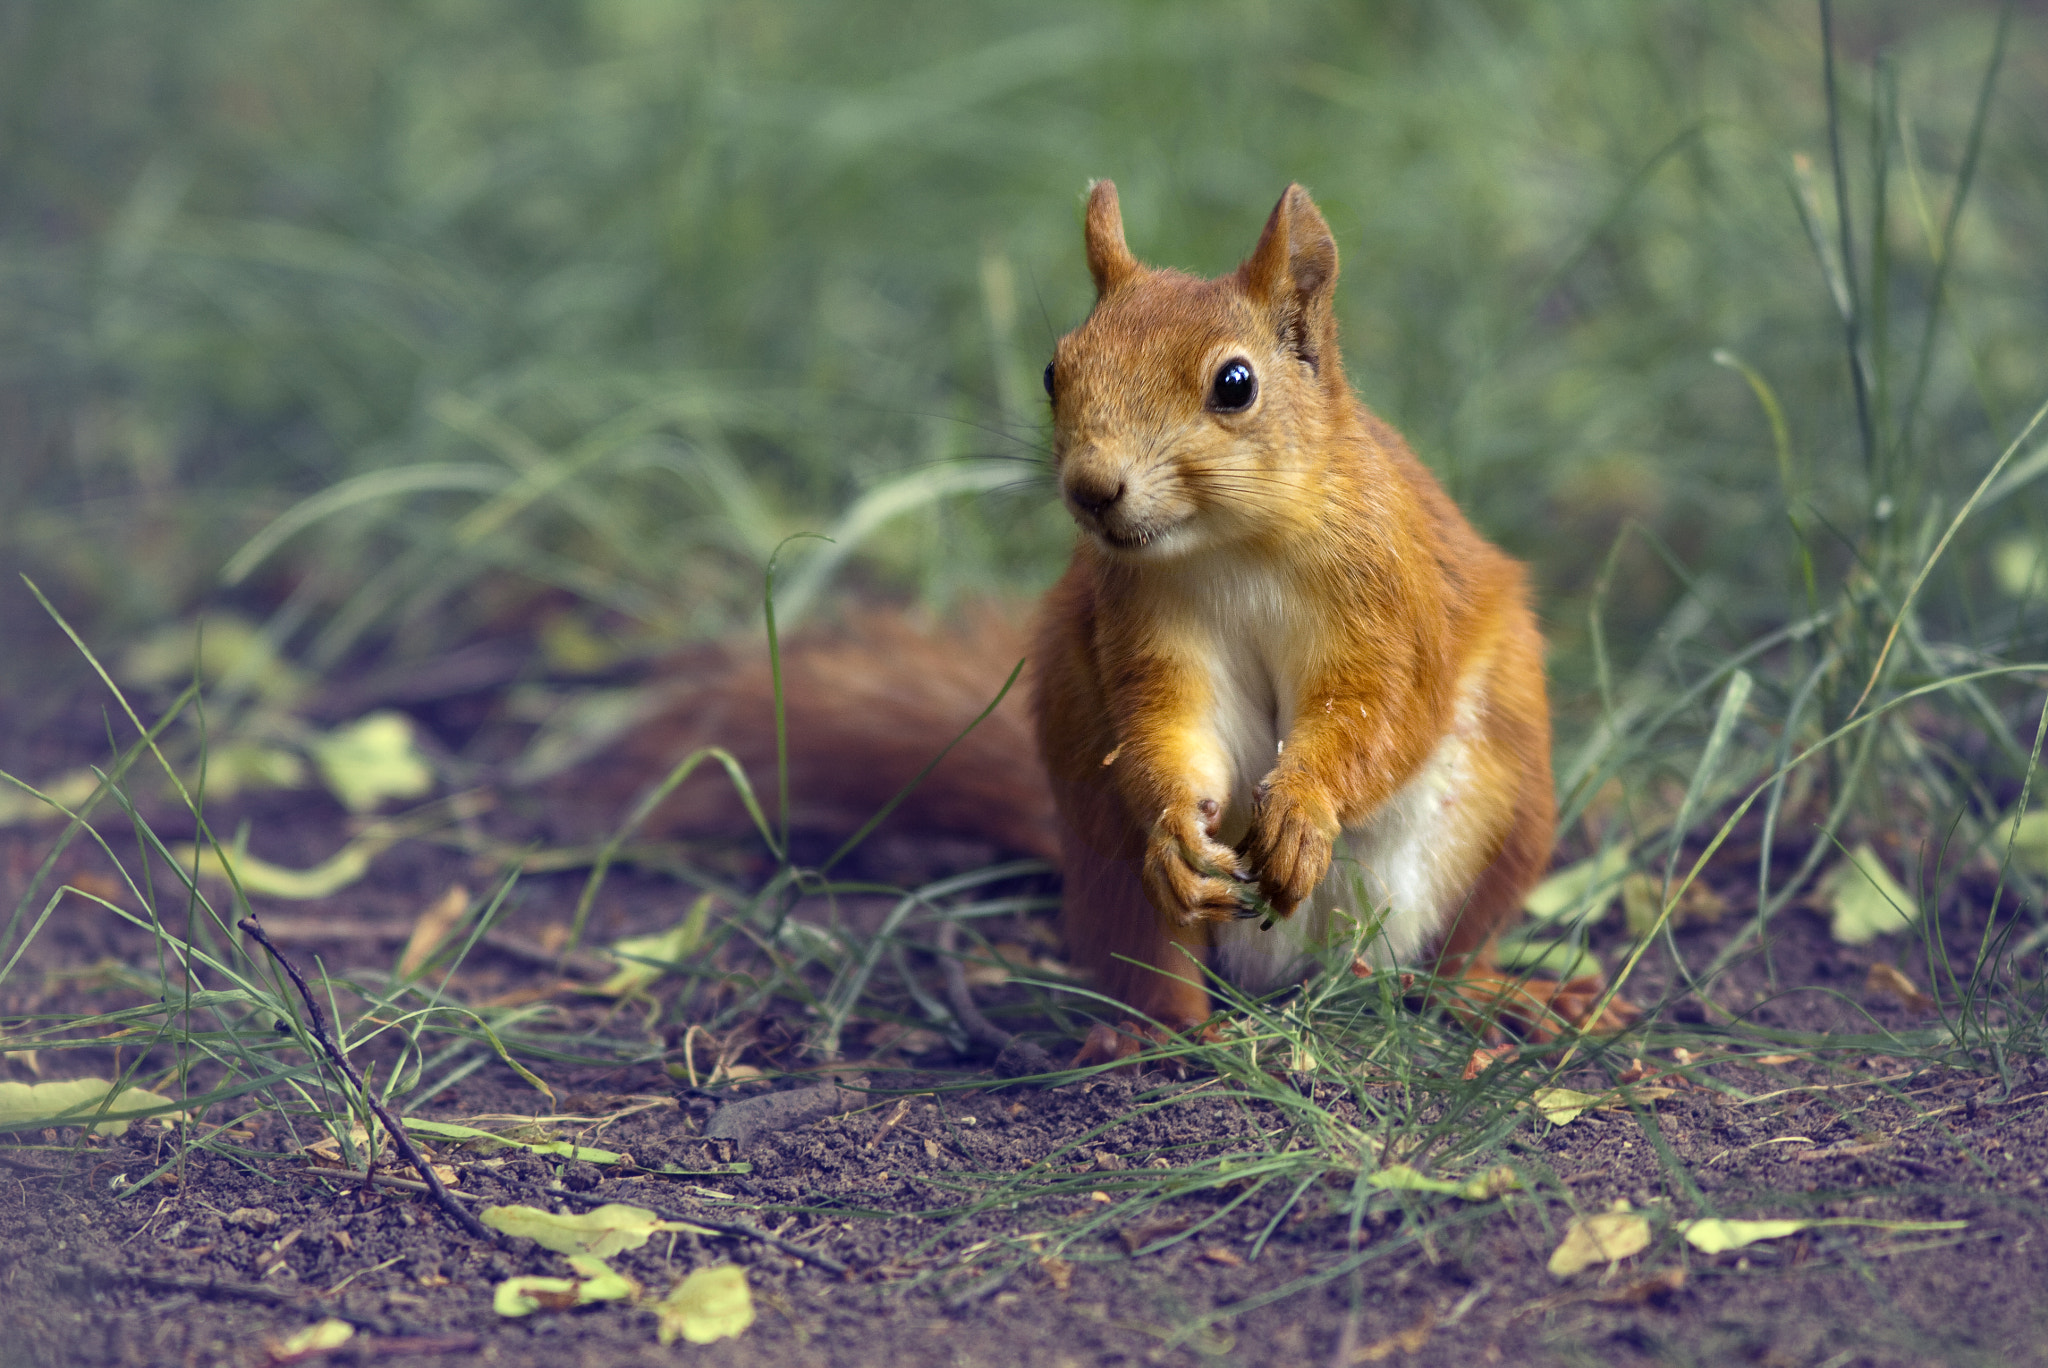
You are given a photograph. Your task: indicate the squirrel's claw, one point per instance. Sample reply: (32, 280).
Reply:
(1190, 876)
(1288, 847)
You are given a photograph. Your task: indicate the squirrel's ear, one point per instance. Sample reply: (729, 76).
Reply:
(1109, 260)
(1293, 271)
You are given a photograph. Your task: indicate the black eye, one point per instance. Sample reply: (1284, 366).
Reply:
(1048, 380)
(1234, 387)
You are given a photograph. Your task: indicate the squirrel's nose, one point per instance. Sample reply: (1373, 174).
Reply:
(1094, 497)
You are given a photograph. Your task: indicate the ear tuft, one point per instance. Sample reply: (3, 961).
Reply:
(1293, 271)
(1109, 260)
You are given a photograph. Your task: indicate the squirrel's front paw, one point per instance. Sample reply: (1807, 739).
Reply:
(1289, 846)
(1189, 875)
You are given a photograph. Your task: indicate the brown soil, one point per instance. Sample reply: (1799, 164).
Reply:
(248, 1242)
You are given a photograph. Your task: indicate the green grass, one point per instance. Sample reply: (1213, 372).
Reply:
(491, 313)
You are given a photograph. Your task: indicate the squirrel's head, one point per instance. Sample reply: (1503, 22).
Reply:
(1190, 413)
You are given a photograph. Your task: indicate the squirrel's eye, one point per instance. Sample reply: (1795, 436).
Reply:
(1234, 387)
(1048, 380)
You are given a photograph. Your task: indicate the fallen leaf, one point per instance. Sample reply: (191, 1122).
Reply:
(1602, 1238)
(710, 1305)
(1883, 978)
(1717, 1236)
(1403, 1342)
(2027, 837)
(346, 866)
(431, 929)
(219, 648)
(1587, 887)
(664, 949)
(610, 1229)
(596, 1282)
(1485, 1057)
(1562, 1106)
(75, 1101)
(1560, 959)
(371, 760)
(314, 1339)
(471, 1135)
(69, 789)
(1779, 1059)
(1864, 899)
(1217, 1254)
(1482, 1187)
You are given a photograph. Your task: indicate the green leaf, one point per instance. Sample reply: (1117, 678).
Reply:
(1479, 1188)
(664, 948)
(1865, 900)
(75, 1101)
(711, 1304)
(1587, 887)
(371, 760)
(468, 1135)
(2028, 837)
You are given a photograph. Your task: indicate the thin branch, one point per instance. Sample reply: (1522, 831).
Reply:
(458, 1213)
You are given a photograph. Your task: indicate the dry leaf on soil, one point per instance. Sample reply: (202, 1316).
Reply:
(1478, 1188)
(1864, 900)
(1601, 1238)
(595, 1282)
(1714, 1236)
(663, 949)
(314, 1339)
(711, 1304)
(73, 1102)
(610, 1229)
(1588, 886)
(373, 759)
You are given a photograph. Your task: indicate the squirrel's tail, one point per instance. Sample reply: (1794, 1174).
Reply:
(867, 706)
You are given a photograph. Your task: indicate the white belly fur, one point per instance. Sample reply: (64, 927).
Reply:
(1403, 867)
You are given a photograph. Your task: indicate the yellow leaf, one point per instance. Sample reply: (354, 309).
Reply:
(1866, 901)
(1601, 1238)
(73, 1102)
(2027, 835)
(373, 759)
(524, 1296)
(1561, 1106)
(323, 880)
(1714, 1236)
(471, 1135)
(328, 1334)
(1642, 902)
(221, 649)
(1587, 887)
(610, 1229)
(1719, 1236)
(665, 948)
(18, 806)
(711, 1304)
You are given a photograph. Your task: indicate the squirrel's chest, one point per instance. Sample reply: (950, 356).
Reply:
(1248, 642)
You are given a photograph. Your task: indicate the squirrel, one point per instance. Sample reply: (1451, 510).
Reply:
(1283, 681)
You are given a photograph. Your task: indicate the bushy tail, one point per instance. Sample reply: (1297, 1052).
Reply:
(868, 705)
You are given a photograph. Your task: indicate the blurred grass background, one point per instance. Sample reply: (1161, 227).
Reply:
(575, 310)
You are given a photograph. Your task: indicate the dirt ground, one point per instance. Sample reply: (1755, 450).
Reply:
(250, 1241)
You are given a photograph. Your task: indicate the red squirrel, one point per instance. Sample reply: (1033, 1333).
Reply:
(1282, 689)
